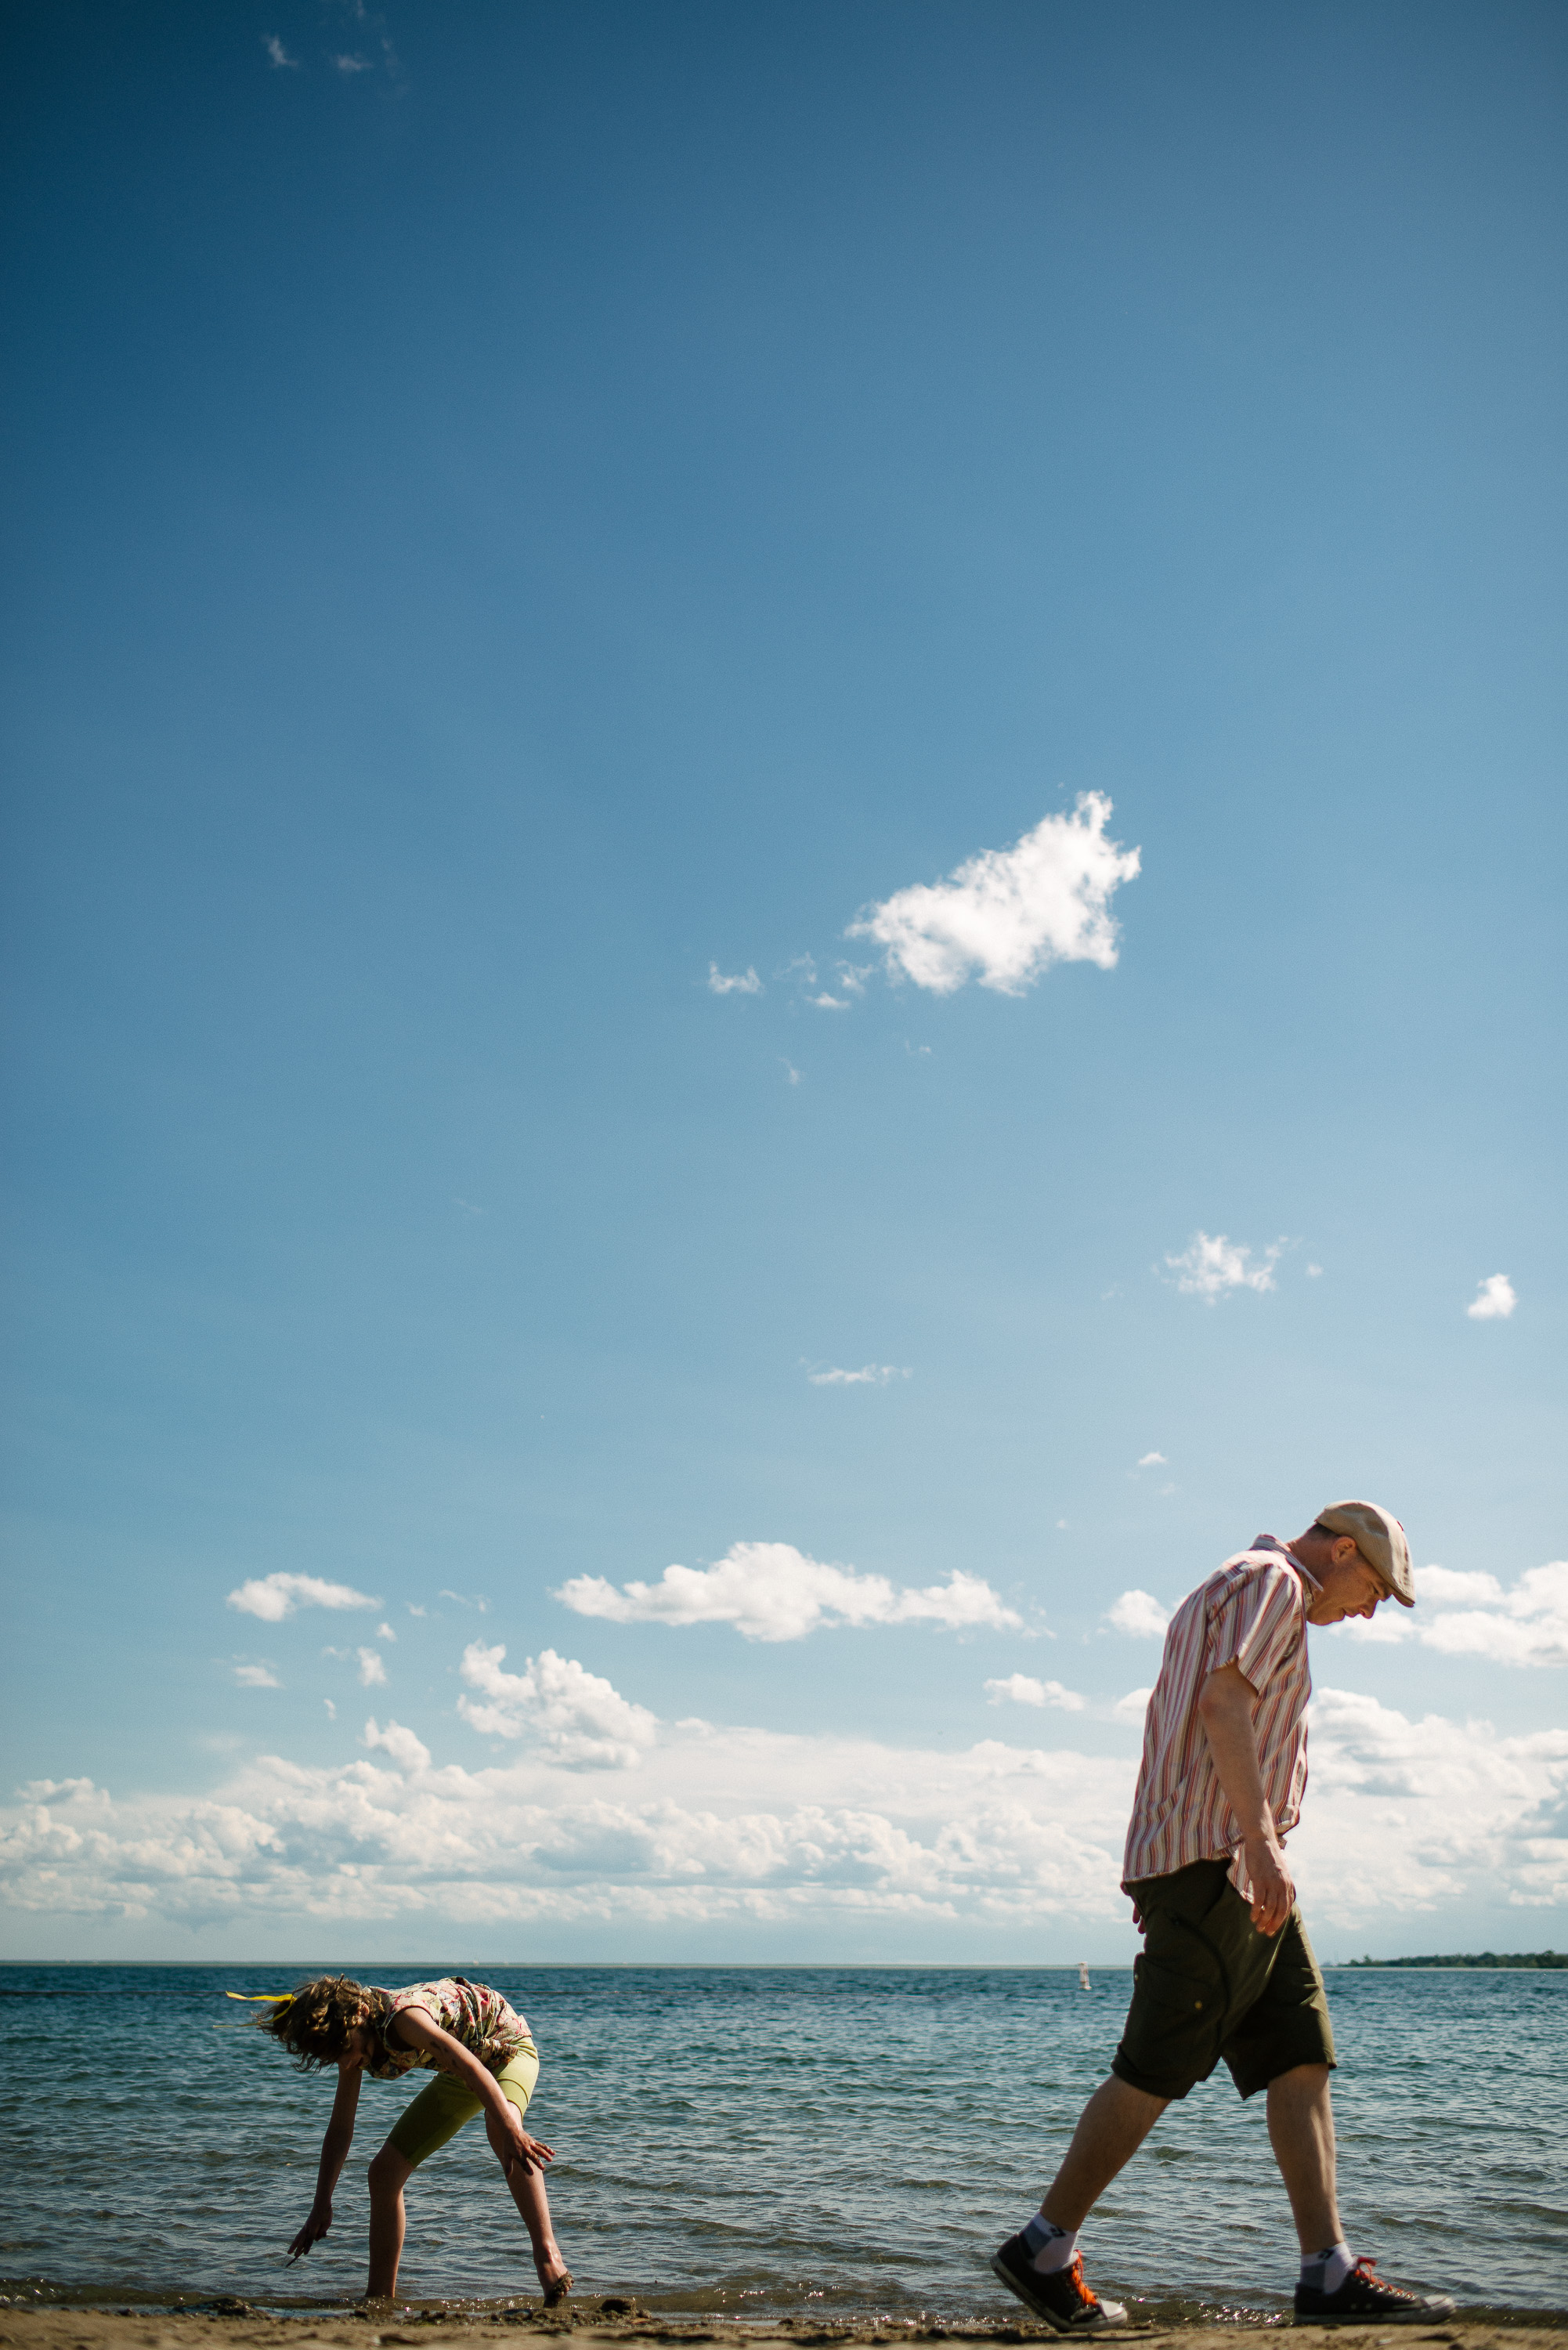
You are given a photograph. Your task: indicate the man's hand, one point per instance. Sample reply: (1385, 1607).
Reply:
(1273, 1889)
(315, 2227)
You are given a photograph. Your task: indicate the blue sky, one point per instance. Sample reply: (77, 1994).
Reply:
(524, 509)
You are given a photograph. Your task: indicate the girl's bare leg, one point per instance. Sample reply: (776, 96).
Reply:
(389, 2174)
(528, 2194)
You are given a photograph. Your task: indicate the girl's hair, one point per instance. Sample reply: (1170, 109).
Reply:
(314, 2022)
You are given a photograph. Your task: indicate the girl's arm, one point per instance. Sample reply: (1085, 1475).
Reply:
(449, 2055)
(335, 2148)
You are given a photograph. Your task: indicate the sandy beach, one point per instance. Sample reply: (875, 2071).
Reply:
(592, 2324)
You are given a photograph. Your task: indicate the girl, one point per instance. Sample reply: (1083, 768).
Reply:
(486, 2062)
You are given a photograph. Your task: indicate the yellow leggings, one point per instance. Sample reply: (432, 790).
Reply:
(439, 2111)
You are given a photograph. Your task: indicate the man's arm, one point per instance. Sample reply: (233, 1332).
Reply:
(1225, 1704)
(335, 2148)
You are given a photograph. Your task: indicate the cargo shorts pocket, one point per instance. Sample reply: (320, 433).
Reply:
(1175, 2022)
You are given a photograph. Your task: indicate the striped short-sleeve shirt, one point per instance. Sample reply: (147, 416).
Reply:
(1252, 1614)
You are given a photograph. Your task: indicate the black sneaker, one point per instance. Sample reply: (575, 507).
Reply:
(1062, 2298)
(1364, 2298)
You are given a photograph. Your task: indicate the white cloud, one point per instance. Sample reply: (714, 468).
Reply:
(1403, 1816)
(1152, 1460)
(734, 982)
(278, 52)
(1006, 915)
(1441, 1584)
(373, 1667)
(274, 1596)
(871, 1375)
(1209, 1268)
(1528, 1627)
(1314, 1273)
(774, 1835)
(1470, 1615)
(1133, 1706)
(408, 1752)
(352, 64)
(829, 1003)
(385, 1632)
(474, 1599)
(581, 1720)
(1140, 1615)
(331, 1709)
(792, 1075)
(1020, 1689)
(1496, 1300)
(770, 1591)
(257, 1677)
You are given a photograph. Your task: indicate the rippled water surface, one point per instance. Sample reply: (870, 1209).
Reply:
(841, 2140)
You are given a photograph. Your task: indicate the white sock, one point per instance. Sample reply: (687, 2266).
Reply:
(1050, 2248)
(1327, 2270)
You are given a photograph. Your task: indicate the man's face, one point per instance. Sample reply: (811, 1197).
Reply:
(1351, 1586)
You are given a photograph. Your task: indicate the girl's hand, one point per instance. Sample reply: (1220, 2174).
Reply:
(315, 2227)
(513, 2145)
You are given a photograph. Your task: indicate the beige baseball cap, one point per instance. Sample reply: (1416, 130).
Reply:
(1380, 1539)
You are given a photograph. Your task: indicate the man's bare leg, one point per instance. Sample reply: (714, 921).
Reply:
(528, 2193)
(389, 2174)
(1301, 2131)
(1111, 2129)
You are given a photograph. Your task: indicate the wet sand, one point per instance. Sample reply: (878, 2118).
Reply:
(592, 2324)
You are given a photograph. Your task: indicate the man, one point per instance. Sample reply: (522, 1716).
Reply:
(1227, 1968)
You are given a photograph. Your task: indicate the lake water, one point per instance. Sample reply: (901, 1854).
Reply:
(836, 2141)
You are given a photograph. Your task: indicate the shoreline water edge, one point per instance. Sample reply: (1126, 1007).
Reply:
(768, 2149)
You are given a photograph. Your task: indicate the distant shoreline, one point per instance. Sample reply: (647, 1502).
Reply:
(1476, 1959)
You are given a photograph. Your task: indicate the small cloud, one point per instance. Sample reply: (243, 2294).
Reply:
(1140, 1615)
(802, 968)
(331, 1709)
(734, 982)
(830, 1003)
(1314, 1273)
(1060, 1526)
(792, 1075)
(257, 1677)
(1447, 1587)
(1022, 1689)
(1007, 915)
(853, 976)
(476, 1601)
(917, 1052)
(770, 1591)
(1495, 1300)
(1152, 1460)
(1211, 1268)
(1133, 1707)
(373, 1667)
(467, 1206)
(274, 1596)
(385, 1632)
(408, 1752)
(278, 54)
(352, 65)
(581, 1720)
(413, 1609)
(873, 1375)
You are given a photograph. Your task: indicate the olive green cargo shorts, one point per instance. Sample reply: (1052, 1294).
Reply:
(1207, 1984)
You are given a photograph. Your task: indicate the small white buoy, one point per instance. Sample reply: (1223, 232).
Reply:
(1082, 1974)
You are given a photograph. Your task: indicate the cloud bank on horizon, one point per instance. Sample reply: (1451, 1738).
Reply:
(692, 1825)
